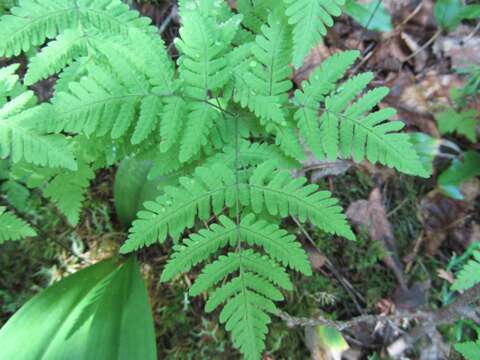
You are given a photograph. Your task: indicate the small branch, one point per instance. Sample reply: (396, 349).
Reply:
(342, 325)
(459, 309)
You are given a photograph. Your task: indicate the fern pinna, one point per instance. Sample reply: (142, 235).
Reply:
(223, 120)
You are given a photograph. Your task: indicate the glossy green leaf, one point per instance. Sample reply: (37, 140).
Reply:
(450, 13)
(372, 16)
(132, 187)
(101, 312)
(460, 171)
(331, 339)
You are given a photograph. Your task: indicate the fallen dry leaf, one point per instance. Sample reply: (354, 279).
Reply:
(373, 215)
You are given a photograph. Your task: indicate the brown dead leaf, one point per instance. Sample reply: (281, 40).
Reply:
(373, 215)
(440, 215)
(446, 275)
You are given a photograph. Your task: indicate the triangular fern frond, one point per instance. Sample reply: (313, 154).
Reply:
(211, 189)
(347, 128)
(13, 228)
(310, 18)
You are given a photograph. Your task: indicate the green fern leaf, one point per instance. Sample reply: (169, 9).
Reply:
(34, 21)
(267, 83)
(469, 276)
(202, 65)
(282, 196)
(148, 118)
(67, 190)
(209, 190)
(311, 19)
(20, 138)
(277, 243)
(322, 81)
(198, 247)
(13, 228)
(201, 119)
(57, 55)
(173, 118)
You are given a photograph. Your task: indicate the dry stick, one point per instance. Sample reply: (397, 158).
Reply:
(460, 308)
(342, 325)
(446, 315)
(423, 47)
(344, 282)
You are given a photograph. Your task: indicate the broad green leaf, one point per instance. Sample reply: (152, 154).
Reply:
(101, 312)
(450, 13)
(372, 16)
(332, 339)
(132, 187)
(460, 171)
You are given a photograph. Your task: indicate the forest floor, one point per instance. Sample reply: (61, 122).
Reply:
(413, 235)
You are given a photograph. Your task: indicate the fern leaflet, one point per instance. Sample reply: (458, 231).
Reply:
(13, 228)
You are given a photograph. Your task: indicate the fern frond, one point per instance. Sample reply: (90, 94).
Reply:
(276, 242)
(322, 81)
(56, 55)
(200, 121)
(198, 247)
(67, 190)
(13, 228)
(203, 67)
(267, 83)
(34, 21)
(348, 128)
(248, 298)
(469, 276)
(276, 192)
(310, 18)
(209, 190)
(20, 138)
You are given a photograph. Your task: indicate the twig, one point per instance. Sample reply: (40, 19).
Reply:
(342, 325)
(459, 309)
(423, 47)
(173, 14)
